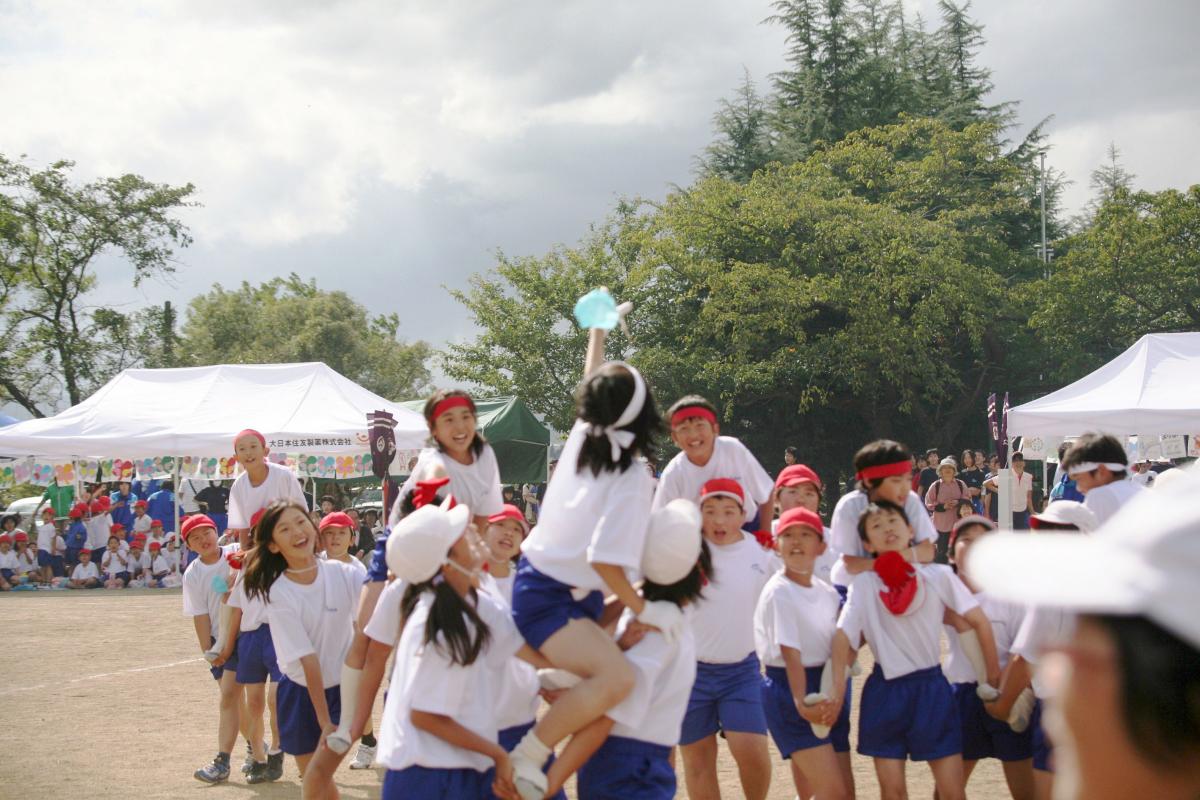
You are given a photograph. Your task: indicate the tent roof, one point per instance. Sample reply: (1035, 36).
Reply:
(1152, 388)
(195, 411)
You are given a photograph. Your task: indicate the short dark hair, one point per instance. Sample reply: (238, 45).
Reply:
(933, 451)
(1159, 689)
(873, 454)
(792, 451)
(329, 497)
(878, 507)
(689, 588)
(601, 399)
(1099, 448)
(691, 401)
(1017, 456)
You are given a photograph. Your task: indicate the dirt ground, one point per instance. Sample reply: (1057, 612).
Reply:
(104, 694)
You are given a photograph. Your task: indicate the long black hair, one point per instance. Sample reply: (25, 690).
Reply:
(600, 400)
(687, 590)
(261, 568)
(437, 397)
(446, 626)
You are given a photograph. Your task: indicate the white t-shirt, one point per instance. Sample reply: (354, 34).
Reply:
(1006, 620)
(83, 572)
(359, 568)
(172, 557)
(424, 679)
(8, 560)
(254, 609)
(476, 485)
(45, 536)
(99, 528)
(137, 564)
(722, 618)
(1041, 627)
(588, 519)
(27, 561)
(844, 523)
(384, 624)
(803, 618)
(504, 586)
(111, 562)
(200, 595)
(317, 618)
(1020, 488)
(143, 524)
(245, 499)
(1106, 500)
(159, 565)
(730, 459)
(903, 644)
(517, 683)
(663, 677)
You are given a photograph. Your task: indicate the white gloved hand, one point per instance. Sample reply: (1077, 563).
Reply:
(1022, 711)
(665, 616)
(553, 680)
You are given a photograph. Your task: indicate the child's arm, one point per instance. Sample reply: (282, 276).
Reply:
(446, 729)
(531, 656)
(1016, 679)
(203, 630)
(615, 579)
(311, 664)
(368, 686)
(595, 350)
(843, 654)
(987, 642)
(234, 621)
(579, 749)
(818, 714)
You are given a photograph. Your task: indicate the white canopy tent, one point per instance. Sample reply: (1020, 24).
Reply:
(195, 411)
(1153, 388)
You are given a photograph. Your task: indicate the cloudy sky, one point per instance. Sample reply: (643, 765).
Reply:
(390, 148)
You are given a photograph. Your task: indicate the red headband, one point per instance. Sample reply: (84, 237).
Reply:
(249, 432)
(688, 412)
(885, 470)
(457, 401)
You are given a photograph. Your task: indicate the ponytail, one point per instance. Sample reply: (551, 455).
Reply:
(445, 627)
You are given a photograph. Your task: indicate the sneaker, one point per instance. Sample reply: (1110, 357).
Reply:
(364, 758)
(259, 773)
(274, 766)
(248, 764)
(214, 772)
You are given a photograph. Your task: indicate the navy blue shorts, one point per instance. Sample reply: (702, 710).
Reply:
(725, 697)
(417, 783)
(509, 738)
(913, 716)
(7, 574)
(73, 555)
(623, 769)
(542, 605)
(1043, 748)
(230, 665)
(984, 736)
(58, 566)
(377, 571)
(256, 656)
(791, 731)
(299, 731)
(44, 558)
(97, 554)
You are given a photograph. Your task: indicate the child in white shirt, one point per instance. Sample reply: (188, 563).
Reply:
(726, 696)
(85, 575)
(8, 563)
(139, 563)
(337, 534)
(908, 707)
(142, 522)
(260, 484)
(799, 487)
(46, 533)
(115, 565)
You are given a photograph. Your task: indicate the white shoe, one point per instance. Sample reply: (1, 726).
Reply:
(364, 758)
(531, 782)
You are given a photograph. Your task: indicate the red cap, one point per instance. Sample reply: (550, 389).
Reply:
(723, 487)
(21, 536)
(96, 507)
(105, 501)
(336, 519)
(77, 510)
(797, 474)
(47, 510)
(5, 538)
(256, 516)
(156, 546)
(116, 527)
(156, 523)
(140, 504)
(195, 522)
(137, 543)
(800, 516)
(510, 511)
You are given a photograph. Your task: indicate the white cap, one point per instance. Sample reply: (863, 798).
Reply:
(672, 542)
(948, 461)
(1144, 561)
(1069, 512)
(418, 544)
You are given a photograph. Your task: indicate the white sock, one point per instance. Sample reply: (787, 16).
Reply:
(532, 748)
(351, 677)
(969, 641)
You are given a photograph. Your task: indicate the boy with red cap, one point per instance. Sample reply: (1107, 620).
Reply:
(160, 567)
(77, 535)
(47, 532)
(799, 487)
(142, 521)
(726, 696)
(705, 455)
(505, 532)
(85, 575)
(205, 583)
(139, 561)
(337, 535)
(98, 525)
(8, 562)
(261, 482)
(794, 625)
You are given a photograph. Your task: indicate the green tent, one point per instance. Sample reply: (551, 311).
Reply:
(520, 441)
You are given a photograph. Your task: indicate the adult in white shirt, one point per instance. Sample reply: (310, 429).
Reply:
(1098, 465)
(1021, 492)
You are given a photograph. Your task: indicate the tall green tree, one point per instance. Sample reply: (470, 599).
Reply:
(291, 320)
(743, 142)
(53, 231)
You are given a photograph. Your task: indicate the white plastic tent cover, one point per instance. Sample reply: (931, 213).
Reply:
(145, 413)
(1152, 388)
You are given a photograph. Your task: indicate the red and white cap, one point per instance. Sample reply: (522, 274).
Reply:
(509, 511)
(800, 516)
(155, 546)
(195, 522)
(797, 474)
(140, 504)
(723, 487)
(20, 536)
(156, 523)
(1141, 562)
(336, 519)
(48, 510)
(5, 538)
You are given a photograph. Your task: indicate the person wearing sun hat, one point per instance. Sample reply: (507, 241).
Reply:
(1124, 681)
(942, 499)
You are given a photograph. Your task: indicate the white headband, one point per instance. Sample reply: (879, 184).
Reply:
(1088, 466)
(617, 438)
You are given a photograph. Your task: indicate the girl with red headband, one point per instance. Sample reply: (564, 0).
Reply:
(705, 455)
(261, 482)
(462, 452)
(884, 470)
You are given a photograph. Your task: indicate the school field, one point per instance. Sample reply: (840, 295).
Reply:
(104, 695)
